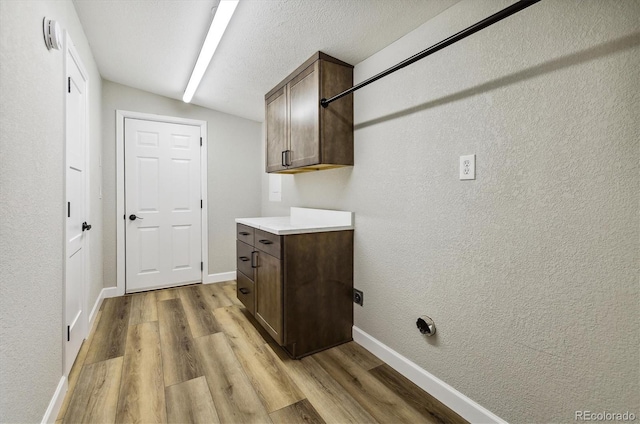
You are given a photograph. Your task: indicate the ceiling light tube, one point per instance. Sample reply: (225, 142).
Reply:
(218, 26)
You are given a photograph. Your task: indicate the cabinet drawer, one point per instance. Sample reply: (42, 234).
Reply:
(268, 243)
(246, 292)
(244, 258)
(245, 233)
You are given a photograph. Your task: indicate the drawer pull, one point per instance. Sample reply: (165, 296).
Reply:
(243, 290)
(254, 260)
(265, 241)
(244, 233)
(243, 258)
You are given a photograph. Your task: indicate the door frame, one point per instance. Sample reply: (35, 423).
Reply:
(121, 115)
(70, 50)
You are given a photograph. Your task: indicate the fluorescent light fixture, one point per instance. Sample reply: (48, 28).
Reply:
(218, 26)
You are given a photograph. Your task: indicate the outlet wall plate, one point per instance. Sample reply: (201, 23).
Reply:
(358, 297)
(468, 167)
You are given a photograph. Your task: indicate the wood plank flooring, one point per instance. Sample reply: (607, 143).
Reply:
(179, 360)
(111, 334)
(194, 355)
(141, 375)
(191, 402)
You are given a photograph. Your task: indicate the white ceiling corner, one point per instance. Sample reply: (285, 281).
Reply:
(153, 45)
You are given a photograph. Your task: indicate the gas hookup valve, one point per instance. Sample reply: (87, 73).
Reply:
(426, 325)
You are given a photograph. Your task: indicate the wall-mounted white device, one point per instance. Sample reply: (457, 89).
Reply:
(52, 34)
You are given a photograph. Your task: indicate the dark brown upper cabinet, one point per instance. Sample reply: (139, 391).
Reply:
(301, 135)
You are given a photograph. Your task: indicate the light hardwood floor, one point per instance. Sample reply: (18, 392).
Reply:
(194, 355)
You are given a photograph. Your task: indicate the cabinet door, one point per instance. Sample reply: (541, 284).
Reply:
(277, 133)
(304, 104)
(269, 310)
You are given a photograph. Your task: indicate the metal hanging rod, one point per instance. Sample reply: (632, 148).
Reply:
(496, 17)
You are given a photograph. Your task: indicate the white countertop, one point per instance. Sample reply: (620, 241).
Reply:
(302, 220)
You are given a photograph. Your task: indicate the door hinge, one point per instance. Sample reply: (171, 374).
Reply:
(68, 209)
(201, 266)
(69, 84)
(200, 203)
(201, 141)
(68, 333)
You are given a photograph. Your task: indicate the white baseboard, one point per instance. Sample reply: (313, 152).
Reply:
(220, 277)
(104, 293)
(459, 403)
(55, 404)
(109, 292)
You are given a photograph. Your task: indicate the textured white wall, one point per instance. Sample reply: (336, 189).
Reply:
(234, 167)
(530, 271)
(32, 203)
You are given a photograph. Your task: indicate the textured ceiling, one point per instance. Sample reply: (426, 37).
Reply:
(153, 45)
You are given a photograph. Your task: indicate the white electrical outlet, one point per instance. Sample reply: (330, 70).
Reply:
(468, 167)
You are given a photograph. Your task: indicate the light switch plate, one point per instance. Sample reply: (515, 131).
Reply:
(468, 167)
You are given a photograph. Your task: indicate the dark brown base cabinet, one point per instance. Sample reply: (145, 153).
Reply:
(298, 287)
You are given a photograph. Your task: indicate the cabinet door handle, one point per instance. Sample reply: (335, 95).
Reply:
(243, 258)
(288, 157)
(243, 233)
(265, 241)
(243, 290)
(254, 260)
(284, 158)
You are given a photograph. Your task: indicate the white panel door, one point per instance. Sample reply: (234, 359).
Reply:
(162, 204)
(76, 177)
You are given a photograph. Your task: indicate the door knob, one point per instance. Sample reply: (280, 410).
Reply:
(133, 217)
(85, 226)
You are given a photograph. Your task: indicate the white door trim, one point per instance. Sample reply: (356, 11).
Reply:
(70, 48)
(121, 115)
